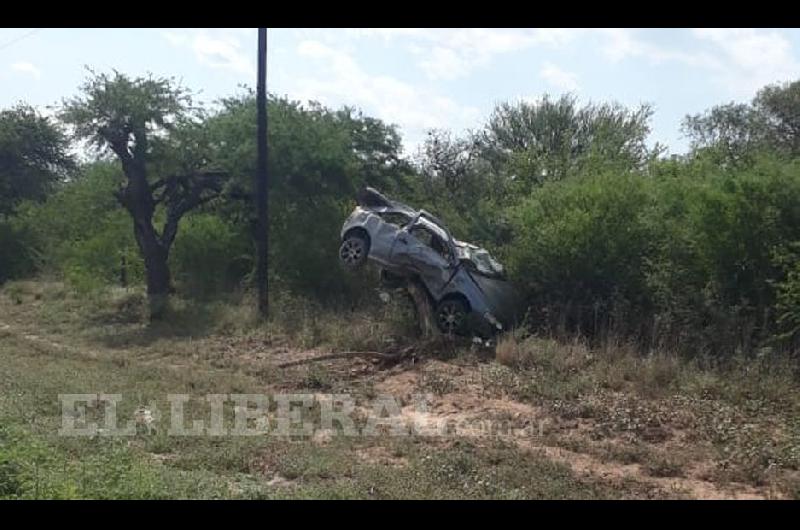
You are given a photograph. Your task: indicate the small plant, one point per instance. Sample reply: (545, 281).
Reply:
(439, 384)
(318, 378)
(663, 467)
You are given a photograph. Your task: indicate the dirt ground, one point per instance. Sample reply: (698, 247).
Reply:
(611, 441)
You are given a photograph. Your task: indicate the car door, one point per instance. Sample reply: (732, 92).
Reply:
(415, 250)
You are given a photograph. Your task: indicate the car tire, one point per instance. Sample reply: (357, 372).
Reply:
(353, 251)
(451, 316)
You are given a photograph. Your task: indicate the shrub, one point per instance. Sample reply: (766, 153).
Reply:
(16, 257)
(210, 255)
(687, 257)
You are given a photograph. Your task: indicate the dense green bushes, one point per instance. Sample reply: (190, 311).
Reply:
(81, 233)
(579, 246)
(686, 257)
(211, 255)
(16, 257)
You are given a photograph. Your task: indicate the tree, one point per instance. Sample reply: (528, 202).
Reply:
(318, 159)
(377, 147)
(731, 132)
(735, 131)
(780, 107)
(446, 161)
(160, 140)
(550, 139)
(34, 155)
(459, 184)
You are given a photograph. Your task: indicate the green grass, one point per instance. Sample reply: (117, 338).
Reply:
(54, 351)
(660, 412)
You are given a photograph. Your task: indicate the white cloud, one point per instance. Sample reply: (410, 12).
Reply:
(222, 49)
(740, 60)
(751, 58)
(454, 53)
(175, 39)
(622, 43)
(559, 78)
(340, 80)
(27, 68)
(444, 63)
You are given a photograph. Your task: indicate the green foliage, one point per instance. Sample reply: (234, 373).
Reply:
(33, 156)
(696, 252)
(114, 108)
(106, 256)
(16, 258)
(317, 160)
(579, 246)
(161, 141)
(81, 232)
(31, 468)
(211, 255)
(551, 139)
(734, 133)
(681, 256)
(788, 292)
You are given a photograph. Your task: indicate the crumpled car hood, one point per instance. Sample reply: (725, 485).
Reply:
(484, 263)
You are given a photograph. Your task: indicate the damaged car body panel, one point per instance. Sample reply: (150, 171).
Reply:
(466, 284)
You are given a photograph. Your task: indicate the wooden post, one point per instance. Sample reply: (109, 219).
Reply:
(262, 189)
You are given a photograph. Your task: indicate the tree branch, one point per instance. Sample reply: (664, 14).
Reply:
(178, 204)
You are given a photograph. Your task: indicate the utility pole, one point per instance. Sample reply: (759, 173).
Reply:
(262, 190)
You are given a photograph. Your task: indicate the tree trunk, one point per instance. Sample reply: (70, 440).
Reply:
(155, 255)
(138, 200)
(156, 273)
(422, 303)
(158, 277)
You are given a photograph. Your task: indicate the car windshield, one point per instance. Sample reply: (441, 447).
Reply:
(485, 263)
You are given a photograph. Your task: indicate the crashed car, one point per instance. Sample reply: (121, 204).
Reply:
(466, 285)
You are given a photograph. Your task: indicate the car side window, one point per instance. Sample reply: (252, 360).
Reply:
(395, 218)
(431, 240)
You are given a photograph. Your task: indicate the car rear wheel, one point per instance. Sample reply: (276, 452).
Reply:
(451, 316)
(353, 252)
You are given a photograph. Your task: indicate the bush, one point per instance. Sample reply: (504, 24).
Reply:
(686, 257)
(788, 295)
(579, 250)
(108, 255)
(16, 256)
(210, 255)
(304, 248)
(80, 232)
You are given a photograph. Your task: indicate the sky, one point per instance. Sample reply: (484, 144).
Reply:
(420, 79)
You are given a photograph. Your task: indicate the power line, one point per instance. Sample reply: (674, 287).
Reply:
(14, 41)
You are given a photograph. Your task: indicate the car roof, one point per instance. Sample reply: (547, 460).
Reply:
(372, 199)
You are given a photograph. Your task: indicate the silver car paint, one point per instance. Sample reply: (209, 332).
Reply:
(397, 250)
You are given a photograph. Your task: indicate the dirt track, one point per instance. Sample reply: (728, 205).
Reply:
(458, 396)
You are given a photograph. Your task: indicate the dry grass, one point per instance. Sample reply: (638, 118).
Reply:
(66, 346)
(647, 420)
(741, 415)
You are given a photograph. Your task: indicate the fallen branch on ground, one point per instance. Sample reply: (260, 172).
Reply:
(340, 355)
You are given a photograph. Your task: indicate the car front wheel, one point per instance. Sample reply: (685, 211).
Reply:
(353, 252)
(451, 316)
